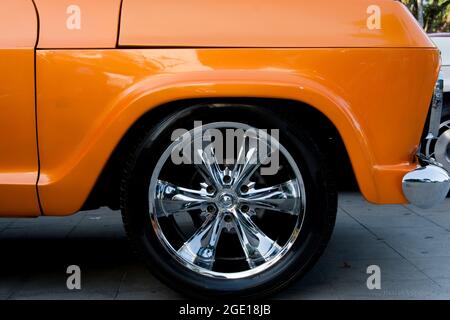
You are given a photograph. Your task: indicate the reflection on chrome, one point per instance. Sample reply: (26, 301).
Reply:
(427, 186)
(227, 201)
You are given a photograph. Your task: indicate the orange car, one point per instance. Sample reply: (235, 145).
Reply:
(126, 104)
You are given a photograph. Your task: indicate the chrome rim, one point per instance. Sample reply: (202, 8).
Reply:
(226, 221)
(440, 148)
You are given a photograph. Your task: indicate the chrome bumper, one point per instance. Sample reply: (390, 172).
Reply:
(428, 186)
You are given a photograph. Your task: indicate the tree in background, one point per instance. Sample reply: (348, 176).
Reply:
(435, 14)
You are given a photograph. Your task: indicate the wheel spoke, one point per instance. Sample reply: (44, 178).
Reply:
(283, 197)
(257, 246)
(221, 200)
(246, 164)
(209, 167)
(174, 199)
(248, 161)
(200, 249)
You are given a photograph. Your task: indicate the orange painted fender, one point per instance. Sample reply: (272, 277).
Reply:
(88, 100)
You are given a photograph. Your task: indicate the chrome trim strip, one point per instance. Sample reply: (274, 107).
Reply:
(436, 109)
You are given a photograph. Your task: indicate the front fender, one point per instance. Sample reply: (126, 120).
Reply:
(89, 99)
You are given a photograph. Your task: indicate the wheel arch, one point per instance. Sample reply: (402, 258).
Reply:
(107, 187)
(65, 192)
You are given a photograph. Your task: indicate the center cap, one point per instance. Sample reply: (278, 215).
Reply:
(226, 201)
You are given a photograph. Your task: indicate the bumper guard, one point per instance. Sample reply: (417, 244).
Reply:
(429, 185)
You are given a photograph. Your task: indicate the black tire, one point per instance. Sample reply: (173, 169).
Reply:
(318, 223)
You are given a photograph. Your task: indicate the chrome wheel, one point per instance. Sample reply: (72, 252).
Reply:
(440, 148)
(227, 220)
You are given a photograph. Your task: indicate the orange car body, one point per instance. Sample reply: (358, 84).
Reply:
(70, 89)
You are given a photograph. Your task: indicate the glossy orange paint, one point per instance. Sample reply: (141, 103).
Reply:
(89, 98)
(263, 23)
(18, 150)
(97, 28)
(375, 85)
(18, 24)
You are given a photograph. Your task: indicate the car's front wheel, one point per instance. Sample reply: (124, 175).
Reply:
(221, 225)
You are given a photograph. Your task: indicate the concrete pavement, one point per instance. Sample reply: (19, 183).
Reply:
(411, 246)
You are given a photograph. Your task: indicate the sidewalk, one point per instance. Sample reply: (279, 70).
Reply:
(411, 246)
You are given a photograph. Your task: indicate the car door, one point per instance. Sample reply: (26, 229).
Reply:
(74, 35)
(18, 146)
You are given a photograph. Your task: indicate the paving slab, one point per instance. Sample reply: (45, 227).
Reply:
(411, 246)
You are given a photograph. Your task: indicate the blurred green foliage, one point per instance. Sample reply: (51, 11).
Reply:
(435, 14)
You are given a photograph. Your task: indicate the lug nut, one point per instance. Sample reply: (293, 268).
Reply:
(227, 218)
(211, 208)
(227, 179)
(245, 208)
(244, 188)
(210, 189)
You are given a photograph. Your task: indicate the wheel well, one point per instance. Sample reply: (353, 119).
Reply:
(106, 189)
